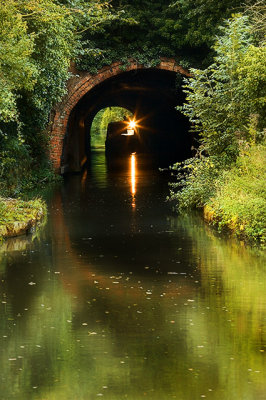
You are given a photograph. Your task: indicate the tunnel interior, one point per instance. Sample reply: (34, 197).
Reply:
(152, 96)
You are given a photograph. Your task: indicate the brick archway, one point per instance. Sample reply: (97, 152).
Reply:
(80, 84)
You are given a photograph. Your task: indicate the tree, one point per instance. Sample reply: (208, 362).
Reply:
(149, 29)
(256, 11)
(38, 39)
(225, 104)
(221, 98)
(17, 69)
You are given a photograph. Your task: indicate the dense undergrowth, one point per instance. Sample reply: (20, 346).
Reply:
(38, 39)
(226, 105)
(239, 201)
(19, 210)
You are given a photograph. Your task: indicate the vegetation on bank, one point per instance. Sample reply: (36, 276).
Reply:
(239, 202)
(225, 101)
(226, 105)
(39, 39)
(18, 216)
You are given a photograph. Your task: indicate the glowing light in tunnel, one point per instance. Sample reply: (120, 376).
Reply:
(132, 124)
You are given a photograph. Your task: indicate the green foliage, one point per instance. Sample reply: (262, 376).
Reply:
(251, 73)
(196, 180)
(16, 210)
(200, 19)
(53, 49)
(101, 121)
(240, 201)
(38, 39)
(113, 114)
(225, 103)
(12, 151)
(221, 98)
(17, 69)
(256, 11)
(147, 30)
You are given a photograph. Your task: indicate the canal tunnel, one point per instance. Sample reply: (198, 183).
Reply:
(151, 95)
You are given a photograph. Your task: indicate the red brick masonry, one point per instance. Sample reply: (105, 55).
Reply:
(78, 86)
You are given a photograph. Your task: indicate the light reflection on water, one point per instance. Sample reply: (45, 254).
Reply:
(133, 178)
(135, 303)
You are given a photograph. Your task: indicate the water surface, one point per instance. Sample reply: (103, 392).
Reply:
(118, 297)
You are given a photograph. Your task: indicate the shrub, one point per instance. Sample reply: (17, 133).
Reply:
(240, 201)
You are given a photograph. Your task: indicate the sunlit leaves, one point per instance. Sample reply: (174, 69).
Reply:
(252, 74)
(220, 98)
(38, 38)
(225, 104)
(17, 69)
(240, 201)
(256, 10)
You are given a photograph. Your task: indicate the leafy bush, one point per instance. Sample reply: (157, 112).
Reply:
(12, 152)
(38, 39)
(225, 104)
(18, 70)
(195, 181)
(240, 201)
(146, 30)
(18, 210)
(221, 98)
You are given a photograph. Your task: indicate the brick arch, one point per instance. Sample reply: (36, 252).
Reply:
(80, 84)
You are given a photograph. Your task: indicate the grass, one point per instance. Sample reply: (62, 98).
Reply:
(240, 200)
(16, 210)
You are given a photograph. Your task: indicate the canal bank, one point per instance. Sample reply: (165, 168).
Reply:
(19, 217)
(238, 203)
(232, 199)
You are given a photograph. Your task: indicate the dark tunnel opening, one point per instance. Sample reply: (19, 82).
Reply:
(152, 96)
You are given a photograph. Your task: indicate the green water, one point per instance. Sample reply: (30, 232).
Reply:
(119, 298)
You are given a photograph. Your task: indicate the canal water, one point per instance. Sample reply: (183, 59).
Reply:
(117, 297)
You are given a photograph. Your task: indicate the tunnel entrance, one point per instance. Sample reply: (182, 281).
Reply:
(149, 94)
(104, 120)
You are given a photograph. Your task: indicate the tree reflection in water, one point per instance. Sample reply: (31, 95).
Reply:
(78, 321)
